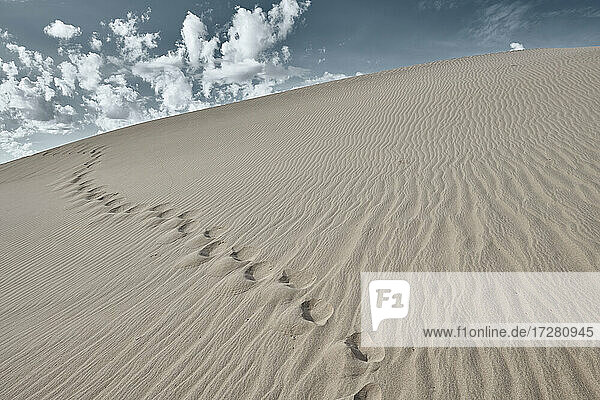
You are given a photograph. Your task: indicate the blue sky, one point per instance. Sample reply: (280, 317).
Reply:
(70, 69)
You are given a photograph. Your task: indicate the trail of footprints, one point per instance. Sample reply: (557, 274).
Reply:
(85, 193)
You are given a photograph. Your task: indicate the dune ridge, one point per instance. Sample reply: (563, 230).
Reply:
(217, 254)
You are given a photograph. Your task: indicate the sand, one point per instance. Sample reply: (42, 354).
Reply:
(216, 254)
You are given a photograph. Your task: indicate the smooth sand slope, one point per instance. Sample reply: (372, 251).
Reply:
(216, 254)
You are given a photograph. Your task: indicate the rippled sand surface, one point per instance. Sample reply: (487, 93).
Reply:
(217, 254)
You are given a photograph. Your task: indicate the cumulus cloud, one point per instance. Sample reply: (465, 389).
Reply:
(60, 30)
(95, 42)
(516, 46)
(193, 33)
(133, 45)
(66, 82)
(88, 70)
(253, 31)
(168, 81)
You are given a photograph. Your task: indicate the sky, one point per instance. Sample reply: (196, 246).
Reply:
(74, 68)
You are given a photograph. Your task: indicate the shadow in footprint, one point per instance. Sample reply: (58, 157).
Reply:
(242, 254)
(317, 311)
(370, 391)
(209, 248)
(353, 342)
(212, 232)
(258, 271)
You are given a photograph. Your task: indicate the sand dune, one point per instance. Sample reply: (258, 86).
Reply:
(216, 254)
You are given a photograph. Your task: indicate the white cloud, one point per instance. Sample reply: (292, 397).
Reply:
(30, 59)
(13, 147)
(88, 70)
(4, 35)
(252, 32)
(326, 77)
(66, 84)
(133, 45)
(285, 53)
(60, 30)
(10, 69)
(249, 34)
(283, 15)
(193, 33)
(516, 46)
(168, 81)
(95, 42)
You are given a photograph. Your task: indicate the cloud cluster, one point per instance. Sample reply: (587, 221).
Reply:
(113, 78)
(133, 45)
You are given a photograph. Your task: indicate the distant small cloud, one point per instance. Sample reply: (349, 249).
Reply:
(60, 30)
(437, 4)
(4, 35)
(516, 46)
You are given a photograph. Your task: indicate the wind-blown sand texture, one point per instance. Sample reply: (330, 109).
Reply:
(216, 254)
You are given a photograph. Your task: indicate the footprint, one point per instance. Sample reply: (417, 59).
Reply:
(225, 266)
(213, 232)
(249, 273)
(258, 271)
(175, 230)
(355, 343)
(285, 279)
(170, 223)
(170, 237)
(107, 196)
(113, 201)
(209, 248)
(187, 214)
(371, 391)
(198, 241)
(198, 258)
(153, 222)
(242, 254)
(184, 226)
(160, 208)
(317, 311)
(119, 208)
(134, 209)
(166, 213)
